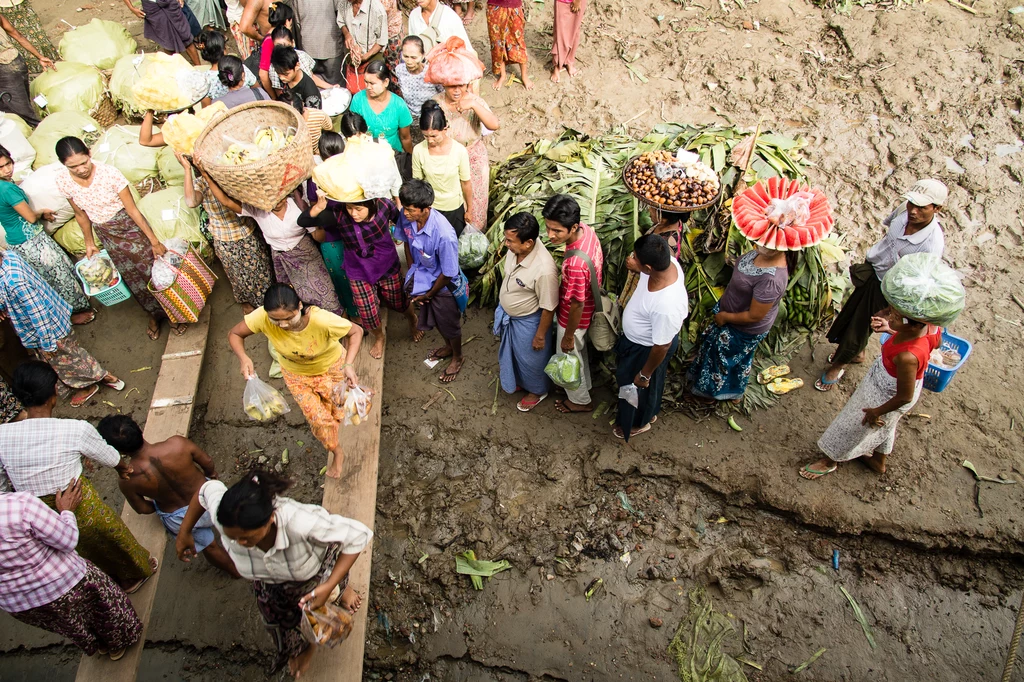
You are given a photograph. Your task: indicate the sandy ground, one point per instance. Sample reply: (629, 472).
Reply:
(883, 98)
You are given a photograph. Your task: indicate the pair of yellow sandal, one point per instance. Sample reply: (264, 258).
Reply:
(772, 379)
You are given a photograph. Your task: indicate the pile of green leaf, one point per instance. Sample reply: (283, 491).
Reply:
(590, 170)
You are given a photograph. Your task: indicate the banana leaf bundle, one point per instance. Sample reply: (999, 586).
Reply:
(590, 170)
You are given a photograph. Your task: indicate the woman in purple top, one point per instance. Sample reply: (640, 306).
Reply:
(357, 235)
(231, 73)
(743, 318)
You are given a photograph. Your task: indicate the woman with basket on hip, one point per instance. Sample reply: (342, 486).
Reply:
(103, 203)
(313, 360)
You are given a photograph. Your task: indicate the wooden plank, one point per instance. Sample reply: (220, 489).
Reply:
(355, 496)
(179, 377)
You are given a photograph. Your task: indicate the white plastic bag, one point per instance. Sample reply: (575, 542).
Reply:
(99, 271)
(630, 394)
(357, 405)
(165, 267)
(794, 210)
(40, 186)
(377, 173)
(262, 402)
(22, 153)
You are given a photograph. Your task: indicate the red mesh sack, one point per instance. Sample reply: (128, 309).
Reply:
(452, 64)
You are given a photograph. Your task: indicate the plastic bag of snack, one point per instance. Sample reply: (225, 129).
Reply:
(328, 625)
(262, 402)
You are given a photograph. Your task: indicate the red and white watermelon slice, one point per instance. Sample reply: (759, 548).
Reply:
(750, 210)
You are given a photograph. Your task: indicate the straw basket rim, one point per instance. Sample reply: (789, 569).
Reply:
(198, 149)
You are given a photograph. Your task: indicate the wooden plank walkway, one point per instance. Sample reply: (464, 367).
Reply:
(170, 413)
(355, 497)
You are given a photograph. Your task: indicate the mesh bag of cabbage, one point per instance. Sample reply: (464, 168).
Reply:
(920, 286)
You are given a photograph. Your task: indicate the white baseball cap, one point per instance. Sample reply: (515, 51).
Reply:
(927, 191)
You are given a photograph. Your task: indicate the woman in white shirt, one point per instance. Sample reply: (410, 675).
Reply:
(650, 333)
(297, 261)
(295, 554)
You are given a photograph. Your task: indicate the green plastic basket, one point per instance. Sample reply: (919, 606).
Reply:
(108, 296)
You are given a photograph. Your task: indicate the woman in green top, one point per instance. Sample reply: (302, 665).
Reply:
(444, 164)
(25, 235)
(385, 113)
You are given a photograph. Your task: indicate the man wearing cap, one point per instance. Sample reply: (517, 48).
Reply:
(912, 228)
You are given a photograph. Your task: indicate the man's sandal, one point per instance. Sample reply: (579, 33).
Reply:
(824, 385)
(524, 406)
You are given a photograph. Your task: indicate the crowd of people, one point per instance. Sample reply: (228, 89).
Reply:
(311, 275)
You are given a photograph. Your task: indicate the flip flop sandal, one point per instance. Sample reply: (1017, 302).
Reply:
(824, 385)
(116, 385)
(524, 406)
(91, 319)
(769, 374)
(138, 586)
(818, 474)
(83, 401)
(644, 429)
(117, 655)
(782, 386)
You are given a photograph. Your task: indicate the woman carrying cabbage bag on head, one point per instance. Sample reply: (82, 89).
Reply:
(923, 293)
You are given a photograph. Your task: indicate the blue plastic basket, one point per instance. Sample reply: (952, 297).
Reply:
(108, 296)
(937, 378)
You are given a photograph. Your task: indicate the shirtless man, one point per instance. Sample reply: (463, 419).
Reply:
(164, 477)
(254, 22)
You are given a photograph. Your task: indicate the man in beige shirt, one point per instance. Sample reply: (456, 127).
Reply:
(364, 26)
(526, 307)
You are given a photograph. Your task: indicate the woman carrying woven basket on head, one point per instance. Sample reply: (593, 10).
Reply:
(923, 294)
(103, 203)
(469, 118)
(296, 259)
(26, 236)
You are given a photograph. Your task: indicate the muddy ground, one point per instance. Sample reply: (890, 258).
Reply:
(883, 98)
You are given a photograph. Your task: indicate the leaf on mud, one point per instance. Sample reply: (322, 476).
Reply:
(698, 643)
(467, 564)
(967, 464)
(859, 615)
(592, 587)
(806, 664)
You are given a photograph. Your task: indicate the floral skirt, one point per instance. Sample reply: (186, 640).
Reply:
(278, 604)
(480, 177)
(74, 365)
(105, 540)
(53, 265)
(244, 42)
(247, 264)
(506, 27)
(94, 614)
(133, 257)
(24, 18)
(10, 406)
(303, 267)
(313, 393)
(722, 368)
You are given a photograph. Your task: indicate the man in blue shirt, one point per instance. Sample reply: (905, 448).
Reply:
(433, 279)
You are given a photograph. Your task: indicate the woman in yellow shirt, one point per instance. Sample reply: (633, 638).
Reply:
(313, 360)
(444, 164)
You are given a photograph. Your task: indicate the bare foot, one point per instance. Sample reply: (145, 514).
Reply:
(554, 74)
(818, 469)
(377, 349)
(350, 600)
(527, 82)
(572, 70)
(334, 467)
(875, 462)
(468, 19)
(500, 78)
(297, 665)
(84, 317)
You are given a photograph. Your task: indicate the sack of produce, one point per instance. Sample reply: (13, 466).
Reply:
(182, 130)
(365, 170)
(262, 402)
(41, 189)
(170, 217)
(171, 172)
(564, 370)
(70, 86)
(127, 72)
(473, 247)
(24, 128)
(119, 147)
(451, 63)
(15, 142)
(328, 625)
(99, 43)
(168, 83)
(99, 271)
(70, 238)
(61, 124)
(920, 286)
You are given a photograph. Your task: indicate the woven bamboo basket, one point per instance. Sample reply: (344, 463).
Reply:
(105, 112)
(265, 182)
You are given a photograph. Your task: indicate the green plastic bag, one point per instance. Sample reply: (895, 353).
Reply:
(171, 172)
(170, 217)
(71, 87)
(99, 43)
(62, 124)
(119, 147)
(920, 286)
(565, 371)
(70, 238)
(18, 121)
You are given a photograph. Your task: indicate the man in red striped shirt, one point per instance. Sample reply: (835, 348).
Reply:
(575, 294)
